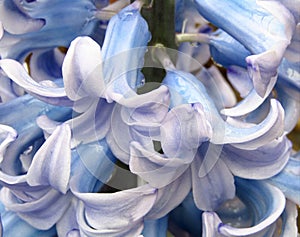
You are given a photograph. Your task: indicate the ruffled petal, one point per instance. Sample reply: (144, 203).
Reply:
(121, 135)
(212, 189)
(155, 168)
(83, 79)
(185, 88)
(169, 198)
(16, 72)
(18, 116)
(93, 124)
(260, 163)
(251, 102)
(266, 202)
(51, 165)
(16, 21)
(288, 180)
(183, 130)
(115, 214)
(42, 212)
(265, 28)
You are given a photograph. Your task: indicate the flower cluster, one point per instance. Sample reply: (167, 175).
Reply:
(90, 145)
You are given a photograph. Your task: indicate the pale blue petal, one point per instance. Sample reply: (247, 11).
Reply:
(289, 73)
(14, 226)
(7, 91)
(83, 79)
(288, 180)
(156, 228)
(155, 168)
(128, 27)
(263, 27)
(183, 130)
(50, 94)
(114, 214)
(94, 123)
(261, 163)
(240, 80)
(41, 208)
(121, 135)
(15, 20)
(185, 88)
(7, 135)
(293, 50)
(211, 190)
(67, 225)
(92, 166)
(226, 50)
(16, 115)
(291, 107)
(217, 87)
(148, 108)
(51, 165)
(60, 27)
(46, 64)
(266, 203)
(169, 198)
(187, 216)
(289, 218)
(251, 102)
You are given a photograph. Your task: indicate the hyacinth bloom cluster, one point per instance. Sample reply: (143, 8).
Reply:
(91, 146)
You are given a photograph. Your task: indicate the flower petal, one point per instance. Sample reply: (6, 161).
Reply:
(267, 204)
(169, 198)
(114, 214)
(129, 27)
(14, 226)
(156, 228)
(185, 88)
(217, 87)
(46, 64)
(15, 21)
(183, 130)
(266, 30)
(7, 135)
(211, 190)
(261, 163)
(289, 218)
(51, 165)
(288, 180)
(18, 74)
(83, 79)
(41, 212)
